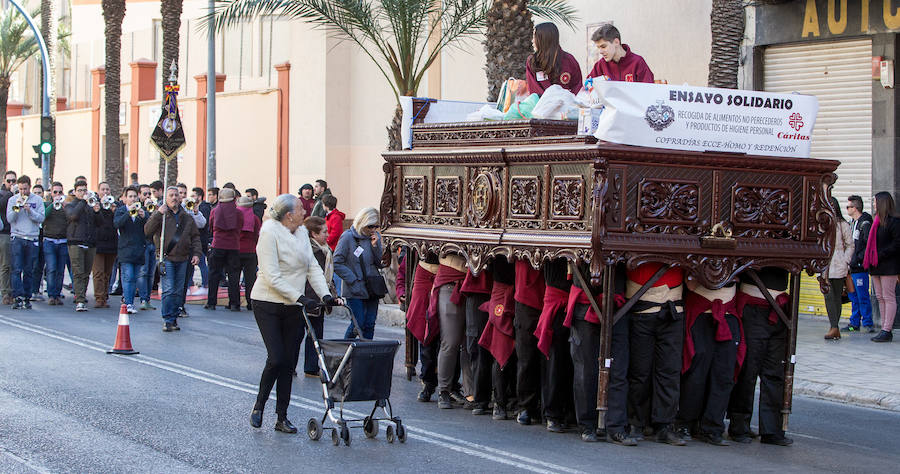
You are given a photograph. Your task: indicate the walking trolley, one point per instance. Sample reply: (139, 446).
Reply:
(354, 370)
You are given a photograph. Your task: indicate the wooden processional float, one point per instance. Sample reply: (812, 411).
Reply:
(534, 190)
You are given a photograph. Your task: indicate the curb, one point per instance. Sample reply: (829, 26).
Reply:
(846, 394)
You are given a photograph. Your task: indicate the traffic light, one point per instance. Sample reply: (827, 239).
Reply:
(36, 159)
(46, 146)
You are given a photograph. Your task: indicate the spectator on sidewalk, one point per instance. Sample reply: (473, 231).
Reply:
(131, 247)
(8, 190)
(357, 259)
(259, 203)
(181, 244)
(25, 213)
(134, 180)
(249, 238)
(837, 271)
(56, 251)
(318, 235)
(882, 260)
(225, 222)
(81, 237)
(334, 219)
(107, 244)
(861, 305)
(321, 190)
(306, 198)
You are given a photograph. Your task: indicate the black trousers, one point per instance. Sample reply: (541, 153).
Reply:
(766, 344)
(503, 382)
(281, 329)
(557, 371)
(221, 262)
(654, 369)
(481, 360)
(249, 265)
(528, 366)
(706, 386)
(585, 347)
(428, 355)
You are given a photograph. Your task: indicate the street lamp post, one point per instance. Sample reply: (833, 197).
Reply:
(45, 109)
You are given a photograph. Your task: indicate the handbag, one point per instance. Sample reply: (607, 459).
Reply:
(375, 284)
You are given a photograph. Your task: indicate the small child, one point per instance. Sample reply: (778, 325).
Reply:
(334, 220)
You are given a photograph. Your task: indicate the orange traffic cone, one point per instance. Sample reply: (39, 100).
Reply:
(123, 336)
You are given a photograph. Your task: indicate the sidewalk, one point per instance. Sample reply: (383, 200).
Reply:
(850, 370)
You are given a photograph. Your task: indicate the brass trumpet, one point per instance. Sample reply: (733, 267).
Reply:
(133, 209)
(20, 203)
(150, 204)
(92, 199)
(58, 204)
(190, 204)
(107, 202)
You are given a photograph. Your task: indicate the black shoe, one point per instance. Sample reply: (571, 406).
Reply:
(469, 405)
(524, 418)
(499, 413)
(210, 307)
(714, 439)
(667, 436)
(778, 440)
(480, 409)
(849, 328)
(741, 438)
(445, 402)
(256, 418)
(457, 397)
(19, 304)
(621, 439)
(883, 336)
(589, 436)
(182, 313)
(285, 426)
(27, 304)
(116, 292)
(636, 433)
(235, 308)
(175, 326)
(167, 327)
(425, 395)
(683, 432)
(554, 426)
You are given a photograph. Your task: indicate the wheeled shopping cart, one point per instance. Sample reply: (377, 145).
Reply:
(354, 370)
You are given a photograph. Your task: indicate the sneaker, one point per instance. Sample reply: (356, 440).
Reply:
(870, 329)
(480, 409)
(554, 426)
(499, 413)
(589, 436)
(130, 309)
(145, 306)
(167, 327)
(175, 326)
(636, 433)
(714, 439)
(668, 436)
(182, 313)
(778, 440)
(425, 395)
(883, 336)
(683, 432)
(849, 328)
(741, 438)
(27, 304)
(19, 304)
(445, 402)
(621, 439)
(457, 397)
(80, 307)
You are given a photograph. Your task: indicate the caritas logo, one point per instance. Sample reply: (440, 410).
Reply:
(795, 121)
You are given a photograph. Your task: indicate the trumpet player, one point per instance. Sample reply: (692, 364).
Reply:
(25, 215)
(107, 243)
(129, 220)
(190, 204)
(81, 237)
(56, 251)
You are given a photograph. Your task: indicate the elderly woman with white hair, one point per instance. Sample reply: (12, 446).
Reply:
(286, 264)
(357, 260)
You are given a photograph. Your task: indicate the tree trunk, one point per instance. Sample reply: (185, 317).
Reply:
(50, 32)
(113, 13)
(507, 43)
(4, 98)
(727, 25)
(395, 140)
(171, 24)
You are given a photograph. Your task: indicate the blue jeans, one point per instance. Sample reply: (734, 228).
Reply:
(23, 253)
(130, 279)
(365, 311)
(204, 271)
(114, 276)
(56, 256)
(859, 300)
(147, 272)
(172, 286)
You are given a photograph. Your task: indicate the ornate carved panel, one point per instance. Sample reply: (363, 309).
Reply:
(523, 196)
(668, 201)
(386, 207)
(447, 195)
(567, 197)
(615, 216)
(414, 194)
(760, 206)
(484, 201)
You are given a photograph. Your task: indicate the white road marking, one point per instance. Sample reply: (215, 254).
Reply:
(448, 442)
(223, 323)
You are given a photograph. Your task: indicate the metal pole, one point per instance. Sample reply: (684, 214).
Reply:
(45, 112)
(211, 104)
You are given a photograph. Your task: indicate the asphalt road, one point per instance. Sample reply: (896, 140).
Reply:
(182, 405)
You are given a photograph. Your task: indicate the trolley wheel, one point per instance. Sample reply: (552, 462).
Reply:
(345, 434)
(401, 432)
(314, 429)
(335, 439)
(389, 434)
(370, 427)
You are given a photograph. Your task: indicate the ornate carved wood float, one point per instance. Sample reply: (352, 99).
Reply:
(533, 190)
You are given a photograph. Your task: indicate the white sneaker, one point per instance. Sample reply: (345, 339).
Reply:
(80, 307)
(130, 309)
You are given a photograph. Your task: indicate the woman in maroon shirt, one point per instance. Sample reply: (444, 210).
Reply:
(249, 237)
(550, 64)
(225, 223)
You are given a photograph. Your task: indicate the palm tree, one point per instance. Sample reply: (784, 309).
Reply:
(171, 24)
(17, 44)
(113, 14)
(507, 39)
(727, 26)
(392, 33)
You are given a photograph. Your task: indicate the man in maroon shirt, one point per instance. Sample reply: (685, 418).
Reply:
(618, 62)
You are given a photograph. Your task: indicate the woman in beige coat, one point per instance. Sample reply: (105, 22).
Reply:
(837, 271)
(286, 264)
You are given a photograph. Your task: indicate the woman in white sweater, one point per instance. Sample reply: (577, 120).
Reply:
(286, 263)
(837, 271)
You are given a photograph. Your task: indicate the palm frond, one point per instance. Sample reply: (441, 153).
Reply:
(557, 11)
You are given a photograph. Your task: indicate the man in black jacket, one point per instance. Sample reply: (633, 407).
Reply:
(860, 225)
(107, 245)
(56, 251)
(6, 192)
(81, 238)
